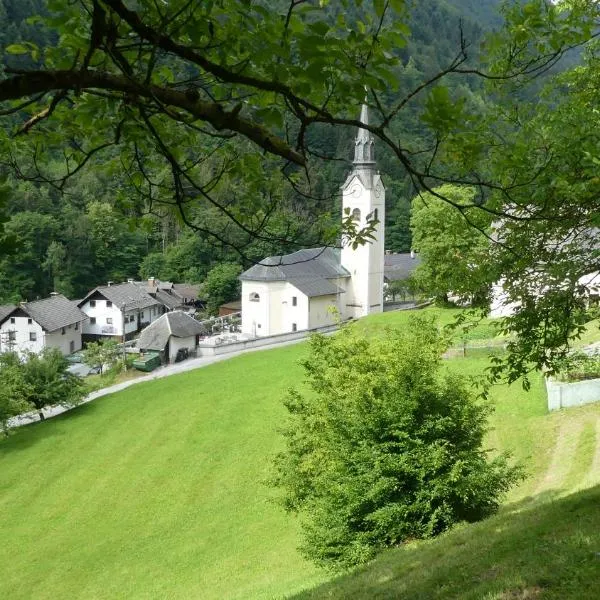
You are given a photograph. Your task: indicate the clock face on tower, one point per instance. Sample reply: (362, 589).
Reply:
(355, 191)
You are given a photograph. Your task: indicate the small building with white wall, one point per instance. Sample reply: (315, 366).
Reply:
(53, 322)
(170, 333)
(314, 287)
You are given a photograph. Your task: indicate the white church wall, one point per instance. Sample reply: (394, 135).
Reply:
(294, 315)
(320, 313)
(255, 308)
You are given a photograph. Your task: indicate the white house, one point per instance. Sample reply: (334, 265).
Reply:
(53, 322)
(118, 310)
(170, 333)
(314, 287)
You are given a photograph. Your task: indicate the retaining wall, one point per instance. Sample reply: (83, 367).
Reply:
(576, 393)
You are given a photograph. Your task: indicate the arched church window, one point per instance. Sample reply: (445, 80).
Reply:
(356, 214)
(254, 297)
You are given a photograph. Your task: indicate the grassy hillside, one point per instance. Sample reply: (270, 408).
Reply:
(158, 492)
(550, 551)
(155, 492)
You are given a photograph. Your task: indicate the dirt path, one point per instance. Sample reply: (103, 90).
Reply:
(563, 455)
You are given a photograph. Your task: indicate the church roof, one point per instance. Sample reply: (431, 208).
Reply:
(400, 266)
(309, 270)
(316, 287)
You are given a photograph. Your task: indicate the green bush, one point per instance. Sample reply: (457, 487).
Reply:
(579, 366)
(385, 447)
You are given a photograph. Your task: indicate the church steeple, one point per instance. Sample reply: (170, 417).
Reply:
(364, 144)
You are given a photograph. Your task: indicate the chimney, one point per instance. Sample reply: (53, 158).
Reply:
(151, 282)
(109, 283)
(130, 280)
(388, 252)
(412, 253)
(54, 293)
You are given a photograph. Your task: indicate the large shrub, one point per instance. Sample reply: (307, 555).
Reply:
(384, 445)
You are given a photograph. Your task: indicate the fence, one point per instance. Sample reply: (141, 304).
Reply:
(230, 343)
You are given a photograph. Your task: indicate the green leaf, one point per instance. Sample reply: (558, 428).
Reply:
(17, 49)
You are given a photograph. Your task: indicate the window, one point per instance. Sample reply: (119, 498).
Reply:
(63, 331)
(108, 304)
(32, 336)
(12, 336)
(92, 320)
(92, 303)
(294, 301)
(294, 327)
(29, 321)
(77, 326)
(131, 318)
(356, 214)
(254, 297)
(141, 315)
(259, 325)
(109, 321)
(12, 320)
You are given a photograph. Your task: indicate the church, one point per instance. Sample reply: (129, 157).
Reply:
(310, 288)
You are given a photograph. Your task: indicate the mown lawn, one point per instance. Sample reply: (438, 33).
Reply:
(155, 492)
(158, 491)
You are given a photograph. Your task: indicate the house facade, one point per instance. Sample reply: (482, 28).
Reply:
(118, 311)
(53, 322)
(317, 286)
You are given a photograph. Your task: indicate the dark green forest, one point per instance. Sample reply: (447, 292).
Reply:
(69, 237)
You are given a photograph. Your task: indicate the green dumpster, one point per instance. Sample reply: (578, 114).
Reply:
(148, 361)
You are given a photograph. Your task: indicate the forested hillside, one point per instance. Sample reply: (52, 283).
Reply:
(71, 237)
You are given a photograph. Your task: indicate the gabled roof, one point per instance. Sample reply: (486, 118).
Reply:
(177, 324)
(123, 295)
(50, 313)
(316, 287)
(171, 301)
(302, 264)
(5, 310)
(186, 290)
(308, 270)
(400, 266)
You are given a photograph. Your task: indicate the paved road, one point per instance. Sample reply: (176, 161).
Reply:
(166, 371)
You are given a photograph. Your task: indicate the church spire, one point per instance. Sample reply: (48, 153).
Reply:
(364, 145)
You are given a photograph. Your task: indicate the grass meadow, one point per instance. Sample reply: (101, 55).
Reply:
(159, 491)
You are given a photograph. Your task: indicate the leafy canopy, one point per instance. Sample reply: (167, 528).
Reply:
(384, 445)
(452, 241)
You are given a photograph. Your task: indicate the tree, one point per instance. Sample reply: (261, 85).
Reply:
(100, 354)
(211, 106)
(385, 446)
(452, 244)
(12, 389)
(221, 285)
(48, 382)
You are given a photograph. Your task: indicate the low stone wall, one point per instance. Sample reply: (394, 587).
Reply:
(576, 393)
(226, 348)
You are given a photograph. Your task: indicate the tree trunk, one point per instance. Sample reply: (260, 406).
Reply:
(41, 413)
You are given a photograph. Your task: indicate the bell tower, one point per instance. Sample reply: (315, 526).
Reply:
(363, 194)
